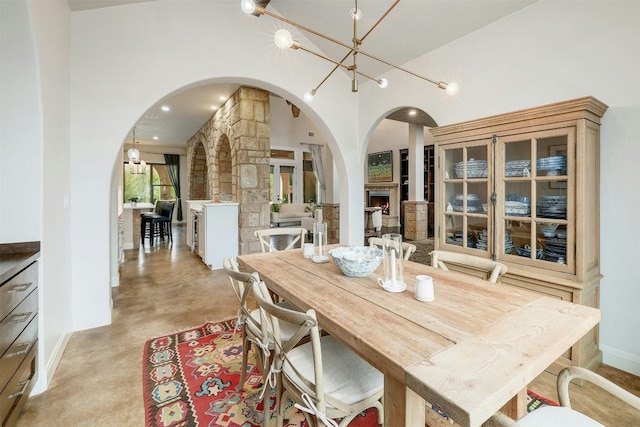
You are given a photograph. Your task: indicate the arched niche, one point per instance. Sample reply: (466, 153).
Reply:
(199, 172)
(222, 168)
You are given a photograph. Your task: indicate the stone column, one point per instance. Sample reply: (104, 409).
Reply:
(415, 219)
(331, 215)
(238, 135)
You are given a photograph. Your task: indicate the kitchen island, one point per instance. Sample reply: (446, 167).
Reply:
(212, 230)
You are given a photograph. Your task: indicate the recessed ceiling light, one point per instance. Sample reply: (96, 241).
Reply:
(214, 107)
(222, 98)
(155, 137)
(165, 108)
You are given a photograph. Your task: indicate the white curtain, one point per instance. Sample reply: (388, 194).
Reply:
(318, 169)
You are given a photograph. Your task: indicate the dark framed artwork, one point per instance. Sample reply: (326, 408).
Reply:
(380, 166)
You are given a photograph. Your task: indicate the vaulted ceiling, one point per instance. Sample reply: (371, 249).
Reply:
(411, 29)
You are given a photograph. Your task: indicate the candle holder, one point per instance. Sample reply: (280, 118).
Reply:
(392, 257)
(320, 242)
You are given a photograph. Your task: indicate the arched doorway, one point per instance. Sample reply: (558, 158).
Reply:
(410, 194)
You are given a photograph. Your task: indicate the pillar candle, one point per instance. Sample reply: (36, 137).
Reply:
(392, 254)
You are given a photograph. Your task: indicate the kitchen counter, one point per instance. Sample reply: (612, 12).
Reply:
(139, 206)
(131, 223)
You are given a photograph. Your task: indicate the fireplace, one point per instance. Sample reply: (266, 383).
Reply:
(386, 197)
(379, 199)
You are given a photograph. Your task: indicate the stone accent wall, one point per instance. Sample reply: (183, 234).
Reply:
(331, 215)
(415, 219)
(237, 146)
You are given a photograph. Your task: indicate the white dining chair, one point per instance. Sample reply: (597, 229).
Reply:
(250, 323)
(248, 320)
(407, 248)
(493, 269)
(324, 378)
(293, 234)
(564, 415)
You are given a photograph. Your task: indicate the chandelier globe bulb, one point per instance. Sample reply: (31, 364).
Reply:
(133, 154)
(283, 39)
(452, 88)
(308, 97)
(248, 6)
(383, 83)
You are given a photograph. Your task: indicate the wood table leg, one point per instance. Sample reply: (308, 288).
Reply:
(516, 408)
(402, 406)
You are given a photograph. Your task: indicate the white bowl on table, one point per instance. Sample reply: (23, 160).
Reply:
(356, 261)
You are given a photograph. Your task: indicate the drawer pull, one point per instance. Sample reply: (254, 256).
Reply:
(20, 288)
(24, 317)
(25, 384)
(26, 346)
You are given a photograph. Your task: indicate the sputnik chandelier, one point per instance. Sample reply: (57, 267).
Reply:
(284, 40)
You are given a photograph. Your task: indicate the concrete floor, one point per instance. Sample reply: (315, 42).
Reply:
(163, 289)
(166, 288)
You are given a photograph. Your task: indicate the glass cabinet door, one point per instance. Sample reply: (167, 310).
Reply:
(534, 214)
(466, 195)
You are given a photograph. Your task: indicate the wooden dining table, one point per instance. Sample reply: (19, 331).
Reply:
(472, 351)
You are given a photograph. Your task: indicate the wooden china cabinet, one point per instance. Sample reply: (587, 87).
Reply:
(523, 188)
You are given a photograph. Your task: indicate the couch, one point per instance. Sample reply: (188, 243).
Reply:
(292, 213)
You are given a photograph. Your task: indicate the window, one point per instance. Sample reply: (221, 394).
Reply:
(309, 180)
(291, 177)
(151, 185)
(282, 183)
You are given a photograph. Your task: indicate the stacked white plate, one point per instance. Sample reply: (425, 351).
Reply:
(517, 168)
(475, 169)
(473, 203)
(483, 244)
(552, 207)
(555, 164)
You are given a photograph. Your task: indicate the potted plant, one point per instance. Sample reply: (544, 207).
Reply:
(275, 212)
(133, 201)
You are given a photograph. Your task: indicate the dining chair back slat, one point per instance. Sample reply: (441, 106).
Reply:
(295, 235)
(248, 320)
(564, 415)
(407, 248)
(493, 269)
(321, 375)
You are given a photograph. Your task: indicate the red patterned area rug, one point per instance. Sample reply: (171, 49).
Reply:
(535, 401)
(190, 378)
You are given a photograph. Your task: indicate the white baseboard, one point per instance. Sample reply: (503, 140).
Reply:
(620, 359)
(115, 281)
(46, 370)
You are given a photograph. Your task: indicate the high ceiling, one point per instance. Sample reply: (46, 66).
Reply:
(411, 29)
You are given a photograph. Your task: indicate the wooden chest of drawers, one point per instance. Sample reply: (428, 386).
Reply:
(18, 334)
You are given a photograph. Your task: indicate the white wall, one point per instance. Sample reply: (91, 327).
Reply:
(35, 162)
(145, 53)
(21, 128)
(290, 132)
(548, 52)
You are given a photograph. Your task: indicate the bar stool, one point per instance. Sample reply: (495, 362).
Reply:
(157, 224)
